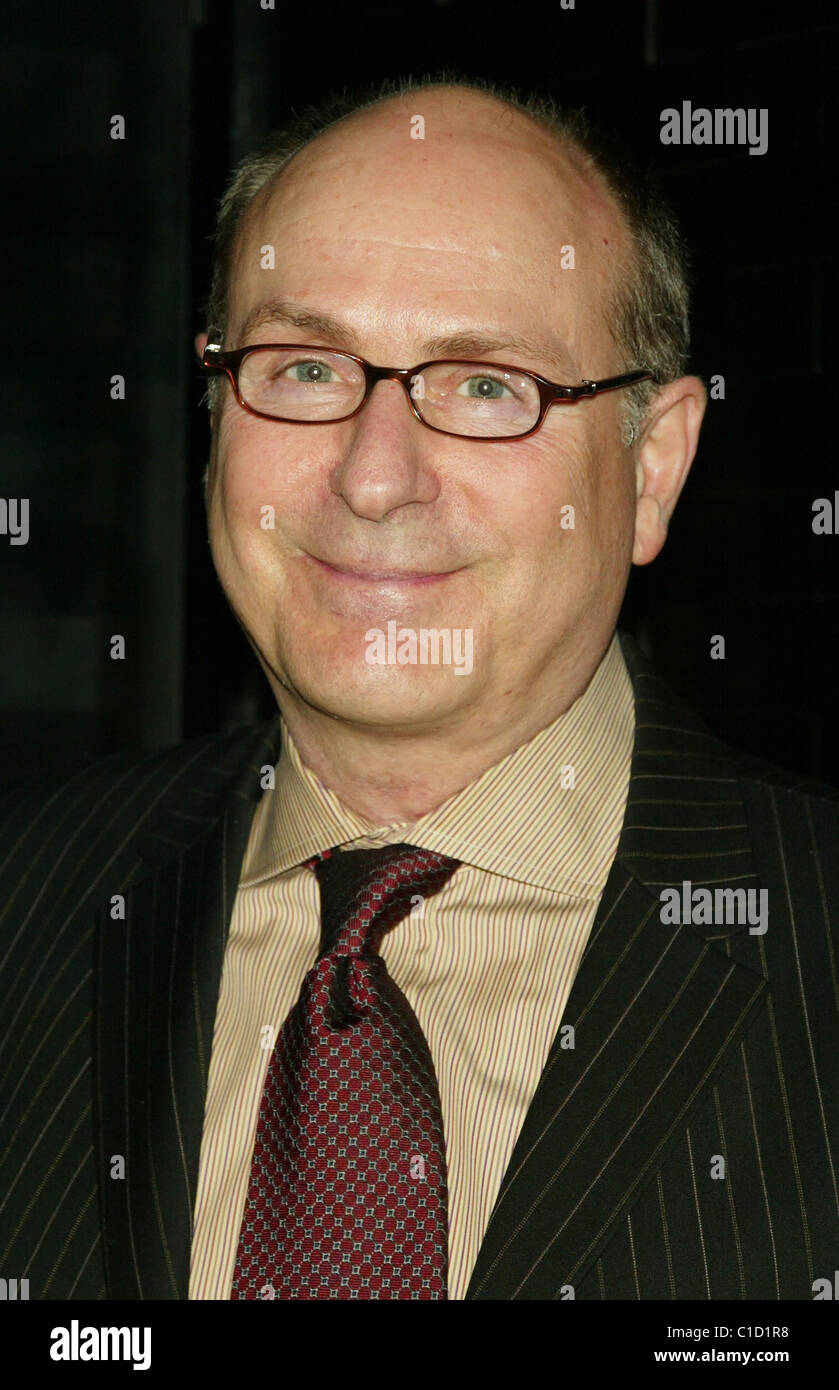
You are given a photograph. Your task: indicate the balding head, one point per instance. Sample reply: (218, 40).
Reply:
(487, 220)
(646, 308)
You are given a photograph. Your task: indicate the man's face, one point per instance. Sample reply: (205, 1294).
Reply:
(378, 519)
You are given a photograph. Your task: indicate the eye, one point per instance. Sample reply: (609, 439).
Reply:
(312, 372)
(484, 388)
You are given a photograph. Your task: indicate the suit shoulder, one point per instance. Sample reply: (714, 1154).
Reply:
(91, 785)
(794, 787)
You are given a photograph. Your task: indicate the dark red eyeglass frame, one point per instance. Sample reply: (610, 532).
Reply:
(550, 392)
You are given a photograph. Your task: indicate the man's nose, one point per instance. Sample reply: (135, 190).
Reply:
(386, 461)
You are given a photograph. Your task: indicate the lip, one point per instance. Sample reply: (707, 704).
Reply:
(402, 578)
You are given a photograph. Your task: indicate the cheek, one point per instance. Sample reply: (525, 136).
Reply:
(244, 501)
(551, 500)
(263, 465)
(596, 475)
(613, 499)
(239, 544)
(568, 527)
(244, 465)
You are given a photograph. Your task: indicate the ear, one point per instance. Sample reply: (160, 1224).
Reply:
(663, 457)
(200, 344)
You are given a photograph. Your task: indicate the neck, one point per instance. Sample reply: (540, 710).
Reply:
(395, 775)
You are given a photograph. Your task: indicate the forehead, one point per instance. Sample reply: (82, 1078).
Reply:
(485, 216)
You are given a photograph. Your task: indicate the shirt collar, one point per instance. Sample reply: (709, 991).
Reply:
(548, 814)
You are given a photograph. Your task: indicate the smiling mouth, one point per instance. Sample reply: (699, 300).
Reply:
(376, 576)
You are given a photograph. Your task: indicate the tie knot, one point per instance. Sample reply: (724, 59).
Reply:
(364, 892)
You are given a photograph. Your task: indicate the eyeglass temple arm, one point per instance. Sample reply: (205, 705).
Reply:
(611, 383)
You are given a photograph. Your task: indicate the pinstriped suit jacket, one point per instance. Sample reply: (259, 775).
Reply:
(692, 1043)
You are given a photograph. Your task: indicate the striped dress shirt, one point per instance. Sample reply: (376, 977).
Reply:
(487, 968)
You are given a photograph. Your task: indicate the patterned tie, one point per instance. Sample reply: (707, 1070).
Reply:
(347, 1195)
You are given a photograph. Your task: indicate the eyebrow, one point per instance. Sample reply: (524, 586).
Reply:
(471, 343)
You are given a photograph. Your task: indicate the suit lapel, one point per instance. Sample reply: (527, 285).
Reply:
(656, 1011)
(158, 978)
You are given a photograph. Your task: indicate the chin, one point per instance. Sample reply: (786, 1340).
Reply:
(386, 697)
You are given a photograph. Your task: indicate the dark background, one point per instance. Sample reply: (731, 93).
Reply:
(106, 258)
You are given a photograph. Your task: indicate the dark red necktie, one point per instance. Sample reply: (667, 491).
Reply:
(347, 1195)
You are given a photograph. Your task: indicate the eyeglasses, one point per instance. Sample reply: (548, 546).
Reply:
(299, 383)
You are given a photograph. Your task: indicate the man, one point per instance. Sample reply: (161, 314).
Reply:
(484, 971)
